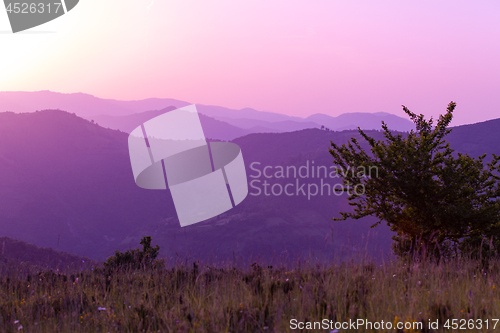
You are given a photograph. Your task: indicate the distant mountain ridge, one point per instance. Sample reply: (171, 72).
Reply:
(247, 119)
(84, 105)
(366, 121)
(212, 128)
(68, 182)
(15, 252)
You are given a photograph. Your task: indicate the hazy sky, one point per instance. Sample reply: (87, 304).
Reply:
(297, 57)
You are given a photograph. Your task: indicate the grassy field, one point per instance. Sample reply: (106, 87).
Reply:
(188, 298)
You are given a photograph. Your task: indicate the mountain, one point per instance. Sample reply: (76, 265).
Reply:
(91, 107)
(246, 113)
(261, 126)
(346, 121)
(213, 128)
(67, 184)
(88, 106)
(16, 253)
(84, 105)
(476, 139)
(366, 121)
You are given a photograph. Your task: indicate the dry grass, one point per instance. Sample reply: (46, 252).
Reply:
(253, 299)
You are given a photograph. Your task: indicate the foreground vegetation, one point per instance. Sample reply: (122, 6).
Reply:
(253, 299)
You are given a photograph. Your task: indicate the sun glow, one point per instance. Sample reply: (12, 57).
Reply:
(294, 57)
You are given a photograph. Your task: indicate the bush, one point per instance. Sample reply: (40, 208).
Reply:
(136, 259)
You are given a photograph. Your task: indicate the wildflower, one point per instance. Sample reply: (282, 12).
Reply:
(394, 275)
(16, 321)
(101, 309)
(20, 327)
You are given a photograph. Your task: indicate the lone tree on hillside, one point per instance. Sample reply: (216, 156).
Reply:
(434, 200)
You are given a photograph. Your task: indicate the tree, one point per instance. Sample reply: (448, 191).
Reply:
(433, 199)
(135, 258)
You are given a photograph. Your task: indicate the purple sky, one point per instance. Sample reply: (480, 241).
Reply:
(289, 56)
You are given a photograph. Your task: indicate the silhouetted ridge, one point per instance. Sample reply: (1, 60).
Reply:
(15, 252)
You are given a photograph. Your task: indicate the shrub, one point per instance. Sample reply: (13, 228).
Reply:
(135, 259)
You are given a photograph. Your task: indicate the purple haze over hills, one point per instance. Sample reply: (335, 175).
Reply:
(84, 105)
(213, 128)
(67, 181)
(67, 184)
(248, 120)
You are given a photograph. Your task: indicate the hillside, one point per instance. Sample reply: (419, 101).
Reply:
(84, 105)
(213, 128)
(476, 139)
(366, 121)
(253, 121)
(67, 184)
(68, 179)
(16, 253)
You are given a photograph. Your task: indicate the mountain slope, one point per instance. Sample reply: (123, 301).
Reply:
(67, 181)
(476, 139)
(14, 253)
(91, 107)
(67, 184)
(261, 126)
(213, 128)
(367, 121)
(84, 105)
